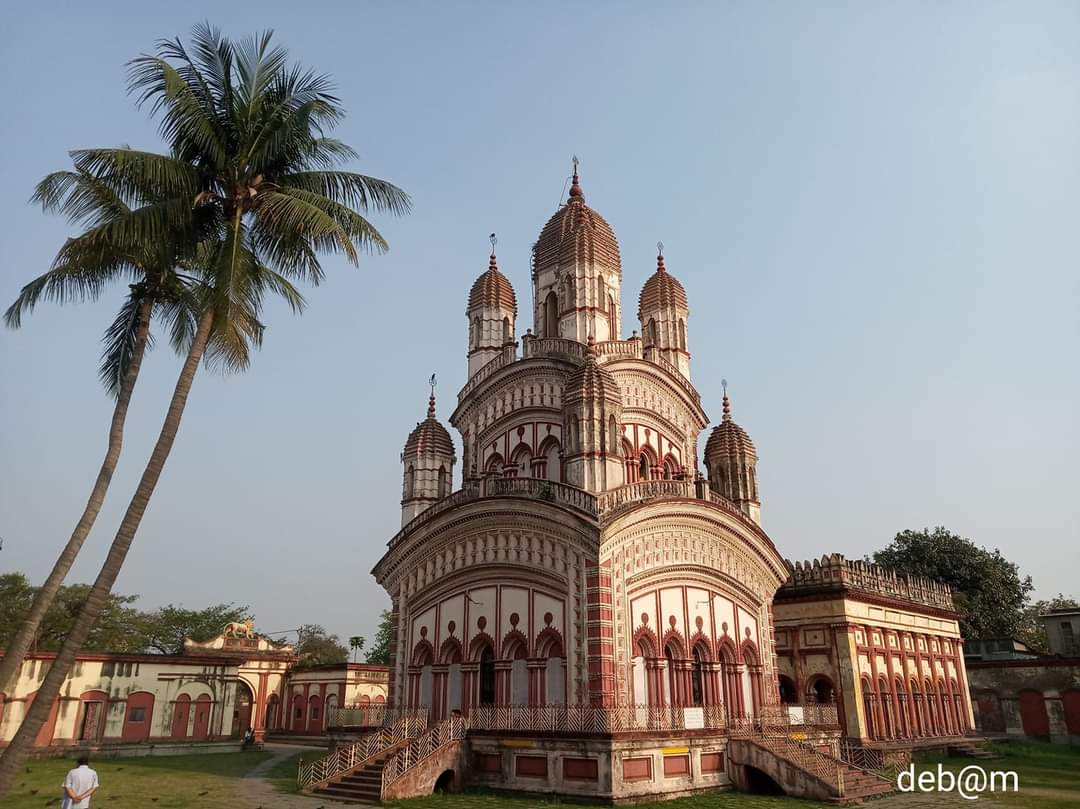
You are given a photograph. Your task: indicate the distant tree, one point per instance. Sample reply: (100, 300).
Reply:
(317, 647)
(988, 591)
(379, 652)
(165, 629)
(356, 643)
(16, 596)
(118, 629)
(1032, 630)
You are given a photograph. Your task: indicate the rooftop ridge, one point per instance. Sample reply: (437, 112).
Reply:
(835, 571)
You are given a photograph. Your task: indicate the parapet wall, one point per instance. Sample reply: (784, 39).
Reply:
(834, 572)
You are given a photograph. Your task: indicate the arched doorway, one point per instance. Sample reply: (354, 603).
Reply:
(821, 690)
(487, 677)
(1033, 714)
(180, 716)
(201, 728)
(273, 712)
(241, 718)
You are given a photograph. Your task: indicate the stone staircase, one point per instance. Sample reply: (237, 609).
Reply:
(803, 771)
(972, 748)
(363, 786)
(860, 785)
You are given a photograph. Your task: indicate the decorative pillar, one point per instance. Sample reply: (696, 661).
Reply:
(601, 647)
(260, 709)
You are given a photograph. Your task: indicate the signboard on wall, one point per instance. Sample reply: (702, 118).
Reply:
(693, 718)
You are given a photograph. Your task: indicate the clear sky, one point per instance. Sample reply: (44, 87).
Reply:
(873, 208)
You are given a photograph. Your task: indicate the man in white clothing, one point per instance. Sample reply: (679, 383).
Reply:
(79, 785)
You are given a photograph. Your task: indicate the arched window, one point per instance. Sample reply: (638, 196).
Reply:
(788, 694)
(674, 697)
(682, 334)
(494, 464)
(651, 333)
(643, 467)
(613, 316)
(551, 315)
(821, 691)
(474, 337)
(410, 482)
(521, 460)
(601, 292)
(613, 436)
(697, 682)
(444, 484)
(506, 329)
(487, 677)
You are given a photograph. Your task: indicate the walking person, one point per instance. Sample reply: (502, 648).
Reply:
(79, 784)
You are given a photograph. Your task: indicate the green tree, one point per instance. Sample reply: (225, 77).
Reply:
(988, 590)
(252, 169)
(16, 596)
(1033, 630)
(165, 629)
(118, 629)
(85, 266)
(316, 647)
(380, 649)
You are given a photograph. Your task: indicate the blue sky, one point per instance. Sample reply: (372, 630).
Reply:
(873, 208)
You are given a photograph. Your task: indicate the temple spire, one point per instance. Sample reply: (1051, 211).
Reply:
(575, 184)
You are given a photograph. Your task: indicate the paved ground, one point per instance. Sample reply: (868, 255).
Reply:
(256, 791)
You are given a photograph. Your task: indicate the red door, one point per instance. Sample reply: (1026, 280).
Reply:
(139, 717)
(181, 712)
(1033, 714)
(202, 718)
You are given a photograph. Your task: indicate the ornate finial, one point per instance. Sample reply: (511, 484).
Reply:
(431, 401)
(494, 242)
(727, 402)
(492, 266)
(660, 257)
(575, 185)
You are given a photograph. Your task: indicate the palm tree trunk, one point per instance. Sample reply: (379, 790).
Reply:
(24, 638)
(19, 748)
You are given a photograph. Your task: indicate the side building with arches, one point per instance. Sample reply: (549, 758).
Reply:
(885, 649)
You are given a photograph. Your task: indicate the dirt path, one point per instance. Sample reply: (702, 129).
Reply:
(256, 791)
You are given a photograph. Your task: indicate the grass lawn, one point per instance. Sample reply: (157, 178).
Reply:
(1048, 774)
(163, 782)
(283, 774)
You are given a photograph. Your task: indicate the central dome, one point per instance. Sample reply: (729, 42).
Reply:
(576, 233)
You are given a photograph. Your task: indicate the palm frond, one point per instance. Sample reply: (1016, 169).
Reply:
(354, 190)
(121, 338)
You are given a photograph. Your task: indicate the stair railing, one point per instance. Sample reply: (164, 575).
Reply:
(350, 757)
(806, 757)
(419, 748)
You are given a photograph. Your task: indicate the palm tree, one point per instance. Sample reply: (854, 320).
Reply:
(251, 163)
(82, 270)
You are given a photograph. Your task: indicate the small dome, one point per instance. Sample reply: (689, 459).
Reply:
(591, 379)
(576, 232)
(429, 437)
(661, 291)
(493, 290)
(728, 439)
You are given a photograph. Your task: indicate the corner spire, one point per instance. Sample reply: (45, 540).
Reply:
(575, 184)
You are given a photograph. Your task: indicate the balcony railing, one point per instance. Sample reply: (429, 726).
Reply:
(572, 350)
(642, 490)
(589, 719)
(362, 716)
(538, 489)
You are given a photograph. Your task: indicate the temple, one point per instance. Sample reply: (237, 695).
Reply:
(596, 610)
